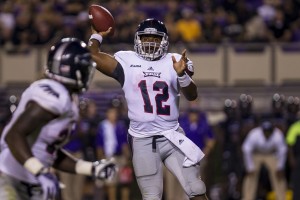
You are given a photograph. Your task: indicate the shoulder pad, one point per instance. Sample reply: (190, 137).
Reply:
(50, 97)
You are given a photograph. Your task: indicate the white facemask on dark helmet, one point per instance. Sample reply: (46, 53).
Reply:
(70, 62)
(151, 50)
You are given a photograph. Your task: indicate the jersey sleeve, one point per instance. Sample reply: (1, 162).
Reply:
(119, 56)
(49, 97)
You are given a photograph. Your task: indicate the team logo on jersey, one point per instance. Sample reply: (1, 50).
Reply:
(180, 141)
(135, 65)
(150, 69)
(154, 74)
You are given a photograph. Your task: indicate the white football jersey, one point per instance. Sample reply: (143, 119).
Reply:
(54, 97)
(152, 93)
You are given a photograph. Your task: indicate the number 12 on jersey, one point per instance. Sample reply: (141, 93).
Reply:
(159, 86)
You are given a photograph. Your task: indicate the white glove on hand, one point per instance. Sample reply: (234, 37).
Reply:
(104, 169)
(49, 184)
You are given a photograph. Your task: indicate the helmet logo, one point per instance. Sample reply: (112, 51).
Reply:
(150, 30)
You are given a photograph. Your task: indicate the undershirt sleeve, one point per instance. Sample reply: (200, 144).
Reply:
(118, 74)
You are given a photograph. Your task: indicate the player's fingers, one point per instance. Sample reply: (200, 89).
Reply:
(173, 59)
(104, 33)
(93, 30)
(183, 55)
(108, 30)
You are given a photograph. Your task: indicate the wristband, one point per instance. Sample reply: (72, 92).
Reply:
(97, 37)
(83, 167)
(33, 165)
(184, 80)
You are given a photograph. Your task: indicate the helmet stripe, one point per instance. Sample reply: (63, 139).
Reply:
(57, 58)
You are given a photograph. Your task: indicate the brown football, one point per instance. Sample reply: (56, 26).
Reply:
(101, 19)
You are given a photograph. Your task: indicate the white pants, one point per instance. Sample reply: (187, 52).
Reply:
(148, 167)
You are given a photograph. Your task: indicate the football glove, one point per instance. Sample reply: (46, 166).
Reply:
(49, 184)
(104, 169)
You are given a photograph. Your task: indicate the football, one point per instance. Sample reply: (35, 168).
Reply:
(101, 19)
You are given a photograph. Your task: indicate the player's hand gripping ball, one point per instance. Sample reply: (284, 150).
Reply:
(101, 19)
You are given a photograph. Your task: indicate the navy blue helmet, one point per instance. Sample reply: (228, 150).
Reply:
(70, 62)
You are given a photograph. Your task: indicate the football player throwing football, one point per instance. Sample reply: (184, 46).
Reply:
(152, 80)
(46, 114)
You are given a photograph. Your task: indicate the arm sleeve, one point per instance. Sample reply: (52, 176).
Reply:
(118, 74)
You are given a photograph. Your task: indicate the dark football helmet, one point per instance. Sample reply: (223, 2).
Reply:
(70, 62)
(151, 50)
(267, 126)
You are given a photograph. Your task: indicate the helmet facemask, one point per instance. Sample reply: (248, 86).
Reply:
(151, 50)
(85, 71)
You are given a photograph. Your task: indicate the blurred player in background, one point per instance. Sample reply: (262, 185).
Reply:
(278, 114)
(292, 109)
(248, 119)
(232, 166)
(32, 140)
(152, 80)
(264, 145)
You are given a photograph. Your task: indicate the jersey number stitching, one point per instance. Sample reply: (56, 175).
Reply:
(159, 98)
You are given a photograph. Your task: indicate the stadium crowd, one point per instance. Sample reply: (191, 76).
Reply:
(39, 22)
